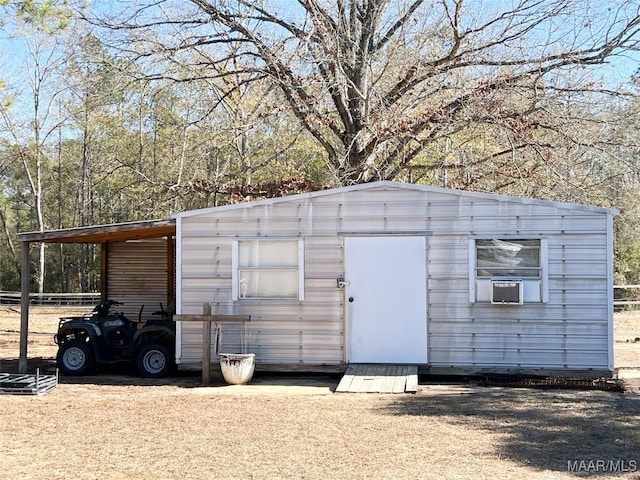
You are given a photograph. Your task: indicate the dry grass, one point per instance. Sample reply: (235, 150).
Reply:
(119, 427)
(43, 324)
(167, 432)
(627, 339)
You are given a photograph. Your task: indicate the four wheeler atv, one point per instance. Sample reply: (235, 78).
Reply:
(106, 337)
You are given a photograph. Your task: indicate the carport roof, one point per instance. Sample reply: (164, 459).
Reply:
(115, 232)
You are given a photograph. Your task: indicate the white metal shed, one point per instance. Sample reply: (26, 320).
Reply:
(386, 272)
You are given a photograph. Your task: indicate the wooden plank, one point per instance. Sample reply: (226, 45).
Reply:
(346, 380)
(114, 232)
(382, 372)
(369, 379)
(361, 371)
(379, 378)
(212, 318)
(400, 380)
(412, 379)
(389, 379)
(356, 369)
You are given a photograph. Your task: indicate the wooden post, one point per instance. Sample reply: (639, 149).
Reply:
(206, 318)
(206, 345)
(25, 275)
(104, 272)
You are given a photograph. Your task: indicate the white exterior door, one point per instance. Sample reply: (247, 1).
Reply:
(386, 299)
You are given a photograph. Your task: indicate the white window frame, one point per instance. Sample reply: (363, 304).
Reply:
(235, 261)
(528, 282)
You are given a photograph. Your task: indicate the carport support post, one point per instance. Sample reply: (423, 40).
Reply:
(206, 345)
(25, 275)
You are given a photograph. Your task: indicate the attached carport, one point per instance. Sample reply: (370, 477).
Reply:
(128, 251)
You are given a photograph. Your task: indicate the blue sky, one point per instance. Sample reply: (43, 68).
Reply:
(14, 58)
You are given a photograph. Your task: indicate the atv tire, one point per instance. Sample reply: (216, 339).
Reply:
(75, 358)
(154, 361)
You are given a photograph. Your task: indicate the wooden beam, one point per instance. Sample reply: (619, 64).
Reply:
(25, 275)
(116, 232)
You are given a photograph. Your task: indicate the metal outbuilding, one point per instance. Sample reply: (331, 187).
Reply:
(386, 272)
(137, 265)
(451, 281)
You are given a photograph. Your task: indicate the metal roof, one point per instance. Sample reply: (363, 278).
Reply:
(398, 185)
(115, 232)
(119, 232)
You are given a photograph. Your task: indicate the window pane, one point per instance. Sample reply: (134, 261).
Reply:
(268, 284)
(268, 253)
(505, 258)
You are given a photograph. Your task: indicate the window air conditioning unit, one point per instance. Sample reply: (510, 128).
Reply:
(506, 293)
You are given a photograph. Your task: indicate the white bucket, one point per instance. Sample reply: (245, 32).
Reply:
(237, 368)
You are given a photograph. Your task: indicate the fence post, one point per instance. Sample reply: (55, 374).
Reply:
(25, 275)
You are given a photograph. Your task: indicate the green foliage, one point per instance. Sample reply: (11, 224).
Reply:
(47, 15)
(627, 264)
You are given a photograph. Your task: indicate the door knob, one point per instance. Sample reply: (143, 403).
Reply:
(350, 299)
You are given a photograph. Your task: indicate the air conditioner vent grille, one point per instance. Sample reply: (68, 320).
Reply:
(506, 293)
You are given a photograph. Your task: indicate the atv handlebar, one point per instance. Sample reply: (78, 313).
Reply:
(102, 309)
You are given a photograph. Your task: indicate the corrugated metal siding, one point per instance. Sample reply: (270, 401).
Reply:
(280, 331)
(568, 332)
(138, 276)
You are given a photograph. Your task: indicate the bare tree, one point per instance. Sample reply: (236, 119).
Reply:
(43, 63)
(378, 83)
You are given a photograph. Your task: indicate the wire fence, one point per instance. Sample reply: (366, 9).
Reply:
(51, 299)
(626, 297)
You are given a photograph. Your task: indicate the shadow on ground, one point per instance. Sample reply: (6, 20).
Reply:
(544, 429)
(124, 375)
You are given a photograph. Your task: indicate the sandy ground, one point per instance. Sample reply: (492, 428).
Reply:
(117, 426)
(627, 340)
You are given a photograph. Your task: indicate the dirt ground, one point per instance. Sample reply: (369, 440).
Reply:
(627, 340)
(116, 426)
